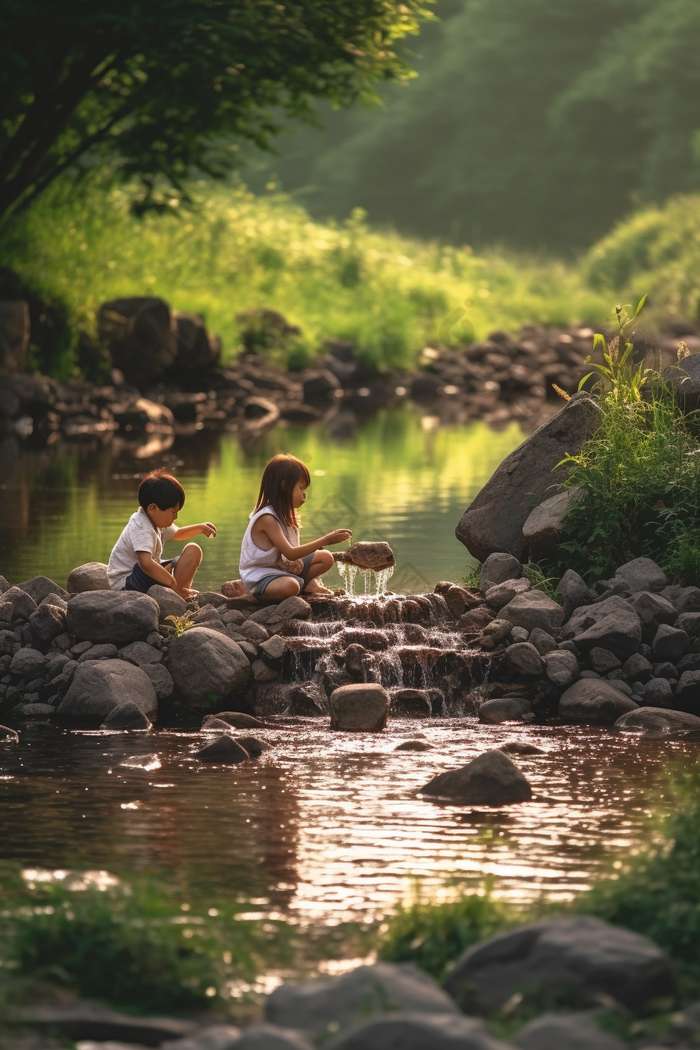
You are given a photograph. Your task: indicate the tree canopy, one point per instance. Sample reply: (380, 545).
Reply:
(156, 88)
(534, 124)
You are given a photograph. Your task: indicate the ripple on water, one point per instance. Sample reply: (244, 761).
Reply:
(331, 826)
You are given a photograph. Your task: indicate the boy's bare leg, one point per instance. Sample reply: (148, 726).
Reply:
(188, 563)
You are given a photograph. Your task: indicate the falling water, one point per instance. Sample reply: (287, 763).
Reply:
(348, 572)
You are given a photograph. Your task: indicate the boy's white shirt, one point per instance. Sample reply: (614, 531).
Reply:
(139, 535)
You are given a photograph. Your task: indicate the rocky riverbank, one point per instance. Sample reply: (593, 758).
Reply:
(153, 372)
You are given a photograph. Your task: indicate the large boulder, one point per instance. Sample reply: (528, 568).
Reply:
(196, 351)
(545, 524)
(92, 576)
(141, 336)
(361, 707)
(566, 961)
(206, 666)
(365, 991)
(658, 721)
(493, 521)
(594, 700)
(490, 779)
(169, 603)
(100, 686)
(611, 624)
(119, 617)
(534, 609)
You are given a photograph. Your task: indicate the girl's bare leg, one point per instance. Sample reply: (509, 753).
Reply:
(322, 562)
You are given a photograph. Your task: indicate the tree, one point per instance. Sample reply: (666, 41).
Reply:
(156, 88)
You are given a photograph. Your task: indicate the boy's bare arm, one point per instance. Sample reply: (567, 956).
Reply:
(155, 570)
(204, 528)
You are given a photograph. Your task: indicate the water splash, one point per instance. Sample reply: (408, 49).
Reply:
(348, 572)
(374, 583)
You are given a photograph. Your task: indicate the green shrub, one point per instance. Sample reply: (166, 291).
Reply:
(432, 935)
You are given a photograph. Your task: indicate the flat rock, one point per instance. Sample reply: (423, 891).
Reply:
(118, 617)
(610, 624)
(37, 710)
(490, 779)
(414, 745)
(104, 651)
(224, 750)
(520, 747)
(141, 654)
(237, 719)
(534, 609)
(570, 960)
(491, 522)
(87, 1020)
(504, 709)
(416, 1031)
(502, 593)
(364, 991)
(92, 576)
(272, 1037)
(99, 686)
(594, 700)
(565, 1032)
(206, 666)
(127, 716)
(210, 1037)
(658, 720)
(643, 574)
(273, 616)
(359, 707)
(498, 568)
(367, 554)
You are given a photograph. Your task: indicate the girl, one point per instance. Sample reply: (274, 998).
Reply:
(274, 564)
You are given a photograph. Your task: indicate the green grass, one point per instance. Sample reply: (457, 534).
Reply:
(233, 252)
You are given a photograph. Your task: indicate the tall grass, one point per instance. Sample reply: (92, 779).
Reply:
(233, 252)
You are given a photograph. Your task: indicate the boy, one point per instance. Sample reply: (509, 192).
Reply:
(135, 562)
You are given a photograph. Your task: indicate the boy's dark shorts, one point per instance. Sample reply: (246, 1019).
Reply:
(138, 580)
(261, 586)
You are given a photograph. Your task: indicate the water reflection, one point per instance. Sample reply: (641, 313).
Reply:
(328, 826)
(395, 481)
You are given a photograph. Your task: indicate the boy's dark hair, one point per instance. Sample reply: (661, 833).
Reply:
(161, 488)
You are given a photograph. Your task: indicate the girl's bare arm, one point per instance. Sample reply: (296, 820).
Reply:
(268, 527)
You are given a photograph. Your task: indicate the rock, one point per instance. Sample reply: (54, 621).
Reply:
(602, 660)
(643, 574)
(141, 654)
(253, 632)
(304, 702)
(361, 707)
(657, 720)
(684, 377)
(8, 736)
(21, 604)
(206, 666)
(141, 336)
(490, 779)
(40, 587)
(368, 555)
(119, 617)
(657, 692)
(270, 1037)
(169, 603)
(498, 568)
(215, 598)
(687, 599)
(127, 716)
(594, 700)
(570, 961)
(565, 1032)
(162, 680)
(48, 621)
(4, 585)
(196, 352)
(561, 668)
(523, 658)
(505, 709)
(690, 623)
(415, 1031)
(475, 620)
(653, 609)
(237, 719)
(211, 1037)
(92, 576)
(262, 672)
(670, 643)
(610, 624)
(413, 745)
(37, 710)
(28, 664)
(410, 703)
(273, 616)
(88, 1020)
(572, 592)
(364, 991)
(97, 687)
(273, 648)
(519, 747)
(254, 745)
(545, 524)
(637, 668)
(459, 599)
(502, 593)
(106, 651)
(495, 633)
(534, 609)
(688, 692)
(543, 642)
(224, 750)
(490, 523)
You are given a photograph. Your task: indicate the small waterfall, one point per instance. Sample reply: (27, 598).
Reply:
(374, 582)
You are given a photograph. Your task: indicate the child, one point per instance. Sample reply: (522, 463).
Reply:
(274, 564)
(135, 562)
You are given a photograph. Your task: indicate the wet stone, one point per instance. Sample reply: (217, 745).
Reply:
(413, 745)
(490, 779)
(225, 750)
(505, 709)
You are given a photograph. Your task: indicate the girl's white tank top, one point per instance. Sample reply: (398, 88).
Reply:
(256, 563)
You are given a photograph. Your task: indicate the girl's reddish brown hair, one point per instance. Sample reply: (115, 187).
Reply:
(277, 485)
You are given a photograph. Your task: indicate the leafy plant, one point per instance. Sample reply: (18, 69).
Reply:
(620, 381)
(181, 623)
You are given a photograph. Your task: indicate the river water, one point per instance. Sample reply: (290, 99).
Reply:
(323, 827)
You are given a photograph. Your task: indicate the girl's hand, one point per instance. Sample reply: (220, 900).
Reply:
(296, 567)
(207, 529)
(339, 536)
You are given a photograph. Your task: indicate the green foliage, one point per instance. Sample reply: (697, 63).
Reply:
(138, 945)
(181, 623)
(155, 89)
(530, 124)
(432, 935)
(237, 253)
(656, 890)
(539, 579)
(619, 379)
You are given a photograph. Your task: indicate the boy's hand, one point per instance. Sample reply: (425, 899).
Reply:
(338, 536)
(207, 529)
